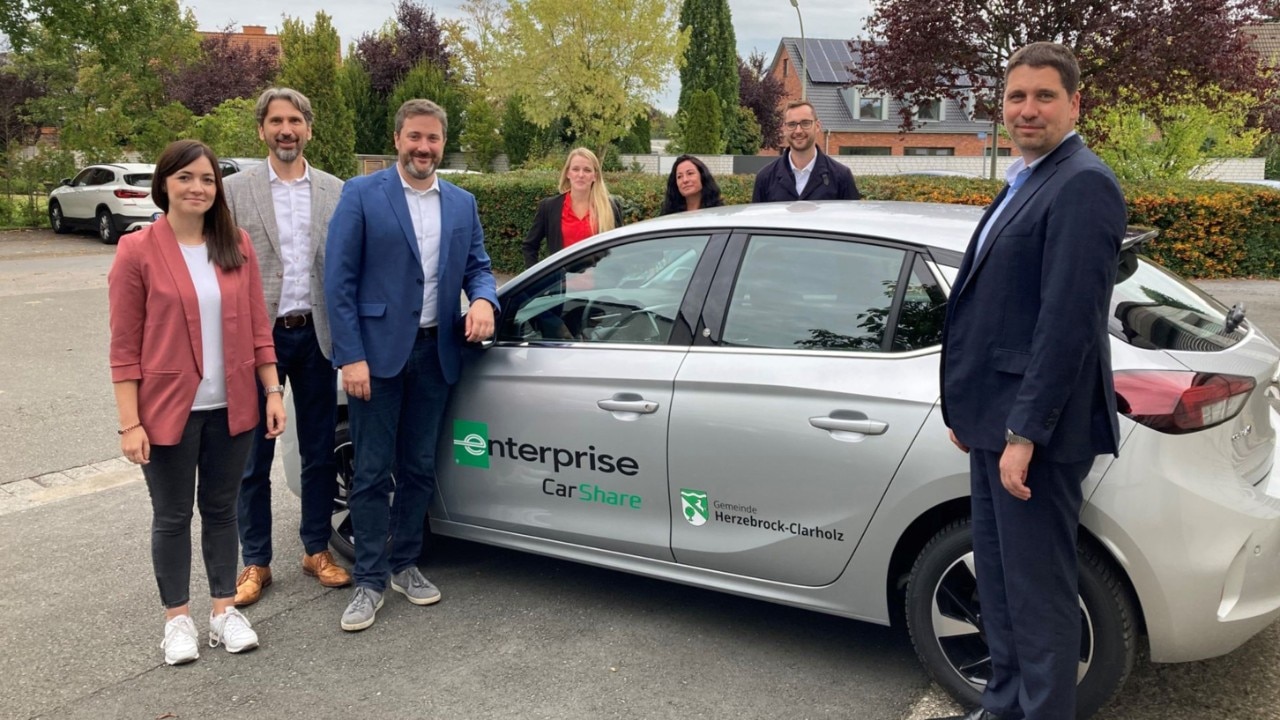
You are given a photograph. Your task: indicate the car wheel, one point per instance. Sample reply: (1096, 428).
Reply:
(56, 220)
(342, 536)
(107, 231)
(945, 622)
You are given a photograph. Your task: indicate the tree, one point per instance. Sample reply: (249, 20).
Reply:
(928, 49)
(711, 58)
(762, 93)
(223, 70)
(428, 81)
(596, 64)
(369, 112)
(310, 67)
(518, 134)
(702, 129)
(475, 41)
(637, 141)
(16, 89)
(744, 137)
(1185, 133)
(482, 137)
(232, 130)
(171, 122)
(390, 55)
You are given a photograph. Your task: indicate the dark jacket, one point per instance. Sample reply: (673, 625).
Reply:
(829, 180)
(1025, 344)
(546, 225)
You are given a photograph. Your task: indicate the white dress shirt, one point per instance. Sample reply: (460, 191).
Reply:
(292, 200)
(802, 174)
(424, 209)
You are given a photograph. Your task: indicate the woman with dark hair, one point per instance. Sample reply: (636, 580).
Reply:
(690, 187)
(190, 341)
(581, 209)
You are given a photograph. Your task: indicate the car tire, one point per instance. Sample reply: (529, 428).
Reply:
(57, 221)
(942, 599)
(106, 226)
(341, 535)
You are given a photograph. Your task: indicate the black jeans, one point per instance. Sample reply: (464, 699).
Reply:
(208, 449)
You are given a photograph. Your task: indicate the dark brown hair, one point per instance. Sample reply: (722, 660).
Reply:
(220, 230)
(1048, 54)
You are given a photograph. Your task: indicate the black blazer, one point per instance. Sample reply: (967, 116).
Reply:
(546, 225)
(829, 180)
(1025, 343)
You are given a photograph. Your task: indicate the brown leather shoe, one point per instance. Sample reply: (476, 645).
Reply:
(322, 567)
(252, 581)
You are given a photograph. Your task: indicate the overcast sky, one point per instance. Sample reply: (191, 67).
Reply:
(758, 24)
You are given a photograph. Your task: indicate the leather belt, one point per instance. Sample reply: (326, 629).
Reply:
(290, 322)
(427, 332)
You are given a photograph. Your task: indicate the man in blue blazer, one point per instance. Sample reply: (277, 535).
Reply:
(1026, 383)
(403, 245)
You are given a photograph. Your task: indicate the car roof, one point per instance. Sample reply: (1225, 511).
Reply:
(937, 225)
(129, 167)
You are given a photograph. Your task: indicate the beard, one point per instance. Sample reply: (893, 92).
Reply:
(406, 161)
(287, 155)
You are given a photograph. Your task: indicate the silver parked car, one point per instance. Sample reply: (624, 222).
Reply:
(746, 399)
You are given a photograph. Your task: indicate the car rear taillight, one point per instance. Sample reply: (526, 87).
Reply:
(124, 194)
(1177, 402)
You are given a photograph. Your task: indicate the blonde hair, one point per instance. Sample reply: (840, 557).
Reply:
(601, 208)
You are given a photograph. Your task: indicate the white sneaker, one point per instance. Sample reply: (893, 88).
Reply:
(181, 642)
(232, 630)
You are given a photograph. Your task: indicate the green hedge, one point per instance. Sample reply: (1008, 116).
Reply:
(1207, 229)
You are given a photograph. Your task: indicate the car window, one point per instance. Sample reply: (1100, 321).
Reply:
(812, 294)
(1154, 309)
(142, 180)
(623, 294)
(924, 307)
(84, 177)
(228, 168)
(102, 176)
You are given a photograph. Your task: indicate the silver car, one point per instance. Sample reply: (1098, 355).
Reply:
(746, 399)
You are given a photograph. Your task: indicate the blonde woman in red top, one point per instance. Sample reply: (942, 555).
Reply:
(582, 209)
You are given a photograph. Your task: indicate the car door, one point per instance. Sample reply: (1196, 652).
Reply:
(816, 366)
(559, 430)
(77, 203)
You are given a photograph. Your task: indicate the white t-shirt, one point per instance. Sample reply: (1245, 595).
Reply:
(212, 393)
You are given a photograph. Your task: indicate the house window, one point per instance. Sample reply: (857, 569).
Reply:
(930, 110)
(865, 105)
(784, 67)
(864, 150)
(977, 113)
(1000, 152)
(928, 151)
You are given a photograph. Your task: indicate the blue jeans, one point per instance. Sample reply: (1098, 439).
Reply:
(315, 403)
(398, 426)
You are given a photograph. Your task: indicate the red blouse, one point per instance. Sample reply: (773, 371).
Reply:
(574, 229)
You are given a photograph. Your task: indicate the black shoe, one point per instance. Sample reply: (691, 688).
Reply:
(977, 714)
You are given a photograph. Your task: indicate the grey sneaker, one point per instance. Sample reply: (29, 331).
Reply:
(363, 609)
(415, 586)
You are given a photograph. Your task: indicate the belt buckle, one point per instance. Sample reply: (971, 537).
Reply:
(294, 321)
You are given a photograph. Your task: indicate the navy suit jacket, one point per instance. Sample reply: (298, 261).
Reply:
(373, 279)
(1025, 344)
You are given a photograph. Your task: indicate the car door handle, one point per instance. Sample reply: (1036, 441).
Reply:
(628, 402)
(850, 421)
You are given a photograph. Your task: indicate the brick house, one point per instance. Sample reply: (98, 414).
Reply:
(855, 122)
(1266, 42)
(251, 37)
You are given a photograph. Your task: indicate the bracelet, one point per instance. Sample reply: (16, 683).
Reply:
(273, 389)
(128, 429)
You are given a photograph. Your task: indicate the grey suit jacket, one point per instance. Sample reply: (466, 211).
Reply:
(249, 195)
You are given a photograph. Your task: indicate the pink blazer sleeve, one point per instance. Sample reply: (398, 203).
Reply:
(127, 312)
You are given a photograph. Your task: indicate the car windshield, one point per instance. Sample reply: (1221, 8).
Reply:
(142, 180)
(1154, 309)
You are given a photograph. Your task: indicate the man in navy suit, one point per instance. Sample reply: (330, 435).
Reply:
(1026, 384)
(403, 245)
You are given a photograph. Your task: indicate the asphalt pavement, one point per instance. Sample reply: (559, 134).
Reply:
(516, 636)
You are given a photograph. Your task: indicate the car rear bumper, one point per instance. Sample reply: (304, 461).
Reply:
(129, 223)
(1200, 545)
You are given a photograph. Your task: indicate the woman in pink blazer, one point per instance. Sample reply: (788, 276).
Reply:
(189, 335)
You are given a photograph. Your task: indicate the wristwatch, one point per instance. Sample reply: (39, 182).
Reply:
(1014, 438)
(273, 389)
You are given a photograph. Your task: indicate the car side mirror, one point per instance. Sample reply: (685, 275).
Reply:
(65, 181)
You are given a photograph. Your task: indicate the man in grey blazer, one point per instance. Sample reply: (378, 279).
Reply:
(285, 205)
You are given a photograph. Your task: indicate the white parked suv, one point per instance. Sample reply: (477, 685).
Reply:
(112, 199)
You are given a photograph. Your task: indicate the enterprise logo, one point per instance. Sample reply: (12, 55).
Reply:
(471, 443)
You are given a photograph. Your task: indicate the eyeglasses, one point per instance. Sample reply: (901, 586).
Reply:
(803, 124)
